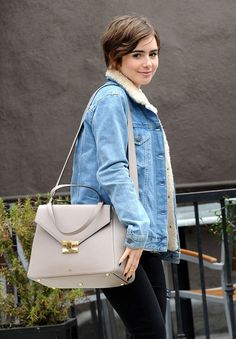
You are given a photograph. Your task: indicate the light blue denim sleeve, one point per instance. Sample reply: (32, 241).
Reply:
(109, 124)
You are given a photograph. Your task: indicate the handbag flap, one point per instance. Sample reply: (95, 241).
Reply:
(67, 221)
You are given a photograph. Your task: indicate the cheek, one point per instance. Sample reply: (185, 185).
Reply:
(156, 64)
(127, 67)
(130, 65)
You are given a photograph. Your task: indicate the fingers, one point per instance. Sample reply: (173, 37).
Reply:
(132, 256)
(129, 272)
(124, 255)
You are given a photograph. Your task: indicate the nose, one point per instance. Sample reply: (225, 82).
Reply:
(147, 62)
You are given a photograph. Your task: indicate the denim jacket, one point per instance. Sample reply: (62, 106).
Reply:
(100, 161)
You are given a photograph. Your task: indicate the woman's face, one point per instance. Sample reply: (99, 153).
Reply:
(140, 65)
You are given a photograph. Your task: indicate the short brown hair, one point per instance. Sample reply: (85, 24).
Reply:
(123, 34)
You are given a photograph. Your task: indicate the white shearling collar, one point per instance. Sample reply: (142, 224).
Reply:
(135, 93)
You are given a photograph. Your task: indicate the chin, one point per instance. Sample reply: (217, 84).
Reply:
(144, 83)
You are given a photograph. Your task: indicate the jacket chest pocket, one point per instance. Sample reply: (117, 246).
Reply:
(142, 141)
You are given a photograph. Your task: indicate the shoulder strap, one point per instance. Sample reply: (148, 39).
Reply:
(131, 150)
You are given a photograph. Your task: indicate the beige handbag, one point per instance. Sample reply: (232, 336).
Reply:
(80, 245)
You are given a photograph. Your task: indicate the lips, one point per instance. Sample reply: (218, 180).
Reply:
(146, 73)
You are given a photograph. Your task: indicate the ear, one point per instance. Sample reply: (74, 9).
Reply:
(112, 65)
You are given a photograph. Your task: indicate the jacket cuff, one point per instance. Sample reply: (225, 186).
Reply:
(135, 240)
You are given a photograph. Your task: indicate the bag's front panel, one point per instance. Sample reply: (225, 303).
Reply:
(49, 260)
(96, 264)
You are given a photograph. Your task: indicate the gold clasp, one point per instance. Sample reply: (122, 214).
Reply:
(69, 247)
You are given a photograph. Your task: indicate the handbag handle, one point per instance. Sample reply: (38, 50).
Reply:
(131, 153)
(87, 222)
(56, 188)
(93, 215)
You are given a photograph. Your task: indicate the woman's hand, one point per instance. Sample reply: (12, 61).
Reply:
(133, 257)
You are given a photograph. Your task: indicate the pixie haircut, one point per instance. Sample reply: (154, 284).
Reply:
(122, 36)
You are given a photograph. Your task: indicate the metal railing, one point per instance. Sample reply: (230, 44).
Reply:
(184, 318)
(102, 313)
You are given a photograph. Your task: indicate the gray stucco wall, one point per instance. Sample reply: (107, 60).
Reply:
(51, 61)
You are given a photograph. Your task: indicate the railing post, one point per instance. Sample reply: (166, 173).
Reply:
(229, 289)
(180, 332)
(201, 271)
(101, 333)
(183, 279)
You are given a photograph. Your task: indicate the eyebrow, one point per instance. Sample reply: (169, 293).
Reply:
(142, 51)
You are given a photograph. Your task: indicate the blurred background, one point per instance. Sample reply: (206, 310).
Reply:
(51, 62)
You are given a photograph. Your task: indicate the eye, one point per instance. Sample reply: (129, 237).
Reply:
(136, 55)
(154, 55)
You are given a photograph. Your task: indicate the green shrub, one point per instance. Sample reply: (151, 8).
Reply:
(24, 302)
(230, 216)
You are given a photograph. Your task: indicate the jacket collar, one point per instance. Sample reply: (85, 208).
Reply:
(135, 93)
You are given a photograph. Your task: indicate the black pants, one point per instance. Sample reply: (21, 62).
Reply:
(142, 304)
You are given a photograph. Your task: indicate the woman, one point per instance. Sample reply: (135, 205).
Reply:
(131, 48)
